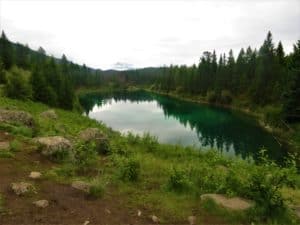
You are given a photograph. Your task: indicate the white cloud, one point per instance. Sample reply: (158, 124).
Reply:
(147, 33)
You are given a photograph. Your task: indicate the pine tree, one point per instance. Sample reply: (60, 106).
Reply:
(6, 51)
(3, 78)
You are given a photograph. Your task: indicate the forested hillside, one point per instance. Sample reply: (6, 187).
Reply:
(29, 74)
(262, 77)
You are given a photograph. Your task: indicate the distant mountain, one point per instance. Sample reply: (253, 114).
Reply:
(122, 66)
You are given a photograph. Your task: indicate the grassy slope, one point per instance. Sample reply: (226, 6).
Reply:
(197, 172)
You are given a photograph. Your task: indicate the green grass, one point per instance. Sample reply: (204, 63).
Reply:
(168, 180)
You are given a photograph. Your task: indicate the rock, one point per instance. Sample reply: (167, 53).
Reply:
(41, 203)
(81, 185)
(139, 213)
(154, 219)
(13, 116)
(49, 114)
(192, 220)
(54, 144)
(35, 175)
(235, 203)
(22, 188)
(90, 134)
(95, 135)
(86, 222)
(4, 146)
(107, 211)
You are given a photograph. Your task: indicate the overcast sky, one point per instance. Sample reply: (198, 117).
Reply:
(147, 33)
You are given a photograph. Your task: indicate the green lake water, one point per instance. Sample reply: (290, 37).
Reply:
(179, 122)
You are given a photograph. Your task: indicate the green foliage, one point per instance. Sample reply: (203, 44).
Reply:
(97, 189)
(226, 97)
(102, 146)
(150, 142)
(18, 86)
(85, 157)
(3, 78)
(129, 170)
(211, 97)
(265, 183)
(60, 156)
(178, 181)
(15, 146)
(6, 154)
(273, 116)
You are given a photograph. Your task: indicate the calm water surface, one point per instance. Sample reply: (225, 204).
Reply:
(180, 122)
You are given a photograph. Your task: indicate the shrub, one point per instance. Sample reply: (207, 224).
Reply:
(66, 170)
(85, 156)
(130, 170)
(211, 97)
(15, 146)
(132, 138)
(6, 154)
(178, 181)
(96, 189)
(17, 86)
(150, 142)
(60, 156)
(226, 97)
(102, 146)
(273, 116)
(265, 183)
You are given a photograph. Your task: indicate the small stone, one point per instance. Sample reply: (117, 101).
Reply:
(154, 219)
(107, 211)
(235, 203)
(41, 203)
(35, 175)
(50, 114)
(139, 213)
(4, 145)
(192, 220)
(81, 185)
(22, 188)
(86, 222)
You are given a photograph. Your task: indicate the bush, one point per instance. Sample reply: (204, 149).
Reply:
(226, 97)
(211, 97)
(178, 181)
(264, 184)
(102, 146)
(130, 170)
(15, 146)
(60, 156)
(96, 189)
(273, 116)
(150, 142)
(85, 157)
(17, 86)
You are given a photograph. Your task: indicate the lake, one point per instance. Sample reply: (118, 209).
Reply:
(176, 121)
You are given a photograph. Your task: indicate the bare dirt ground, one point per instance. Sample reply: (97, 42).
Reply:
(67, 206)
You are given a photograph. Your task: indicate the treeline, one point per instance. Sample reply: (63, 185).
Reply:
(50, 80)
(260, 77)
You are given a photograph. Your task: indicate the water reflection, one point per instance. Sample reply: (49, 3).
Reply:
(228, 131)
